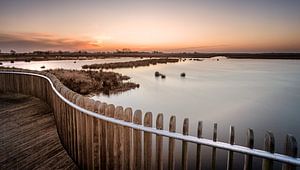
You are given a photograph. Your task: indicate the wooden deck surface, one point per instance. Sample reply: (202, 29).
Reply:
(28, 135)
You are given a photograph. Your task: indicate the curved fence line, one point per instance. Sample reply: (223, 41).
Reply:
(83, 123)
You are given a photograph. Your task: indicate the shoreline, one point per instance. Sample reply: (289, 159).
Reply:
(131, 64)
(27, 57)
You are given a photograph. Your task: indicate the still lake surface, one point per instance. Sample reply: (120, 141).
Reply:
(246, 93)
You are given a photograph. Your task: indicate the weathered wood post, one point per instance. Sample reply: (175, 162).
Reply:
(185, 131)
(96, 137)
(230, 153)
(103, 137)
(137, 141)
(118, 140)
(214, 150)
(148, 142)
(269, 145)
(89, 105)
(159, 142)
(291, 149)
(128, 140)
(172, 128)
(250, 144)
(75, 127)
(110, 111)
(199, 135)
(79, 124)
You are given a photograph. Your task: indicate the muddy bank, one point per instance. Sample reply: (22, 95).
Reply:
(94, 82)
(131, 64)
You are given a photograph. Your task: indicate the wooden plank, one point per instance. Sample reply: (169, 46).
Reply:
(96, 137)
(79, 152)
(83, 135)
(128, 141)
(110, 111)
(269, 146)
(74, 128)
(185, 131)
(89, 104)
(214, 150)
(29, 138)
(291, 149)
(148, 142)
(230, 153)
(137, 141)
(103, 137)
(250, 144)
(118, 141)
(63, 118)
(198, 156)
(68, 126)
(159, 141)
(172, 128)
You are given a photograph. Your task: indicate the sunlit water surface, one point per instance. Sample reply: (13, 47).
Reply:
(258, 94)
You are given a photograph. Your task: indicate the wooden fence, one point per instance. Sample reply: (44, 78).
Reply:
(113, 137)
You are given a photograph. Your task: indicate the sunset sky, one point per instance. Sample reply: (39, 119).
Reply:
(146, 25)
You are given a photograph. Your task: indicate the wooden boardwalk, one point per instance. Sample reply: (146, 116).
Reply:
(28, 135)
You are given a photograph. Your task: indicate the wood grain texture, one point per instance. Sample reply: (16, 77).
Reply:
(159, 142)
(128, 152)
(250, 144)
(137, 141)
(28, 135)
(269, 145)
(230, 153)
(172, 128)
(199, 135)
(148, 142)
(185, 131)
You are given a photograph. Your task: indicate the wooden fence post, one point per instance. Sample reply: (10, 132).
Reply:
(128, 141)
(118, 141)
(199, 135)
(137, 141)
(230, 153)
(185, 131)
(159, 141)
(291, 149)
(110, 111)
(250, 144)
(79, 137)
(74, 100)
(89, 105)
(214, 150)
(103, 138)
(148, 142)
(97, 136)
(269, 145)
(172, 128)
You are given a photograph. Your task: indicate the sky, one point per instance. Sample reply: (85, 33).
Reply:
(144, 25)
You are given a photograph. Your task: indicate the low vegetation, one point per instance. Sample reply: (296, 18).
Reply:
(131, 64)
(91, 82)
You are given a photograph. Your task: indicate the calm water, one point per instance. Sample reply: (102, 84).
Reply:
(65, 64)
(258, 94)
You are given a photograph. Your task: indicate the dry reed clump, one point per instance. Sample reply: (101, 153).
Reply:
(88, 82)
(131, 64)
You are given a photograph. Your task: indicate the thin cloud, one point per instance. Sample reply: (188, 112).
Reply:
(41, 41)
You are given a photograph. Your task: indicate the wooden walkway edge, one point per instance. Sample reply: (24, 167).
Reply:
(28, 135)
